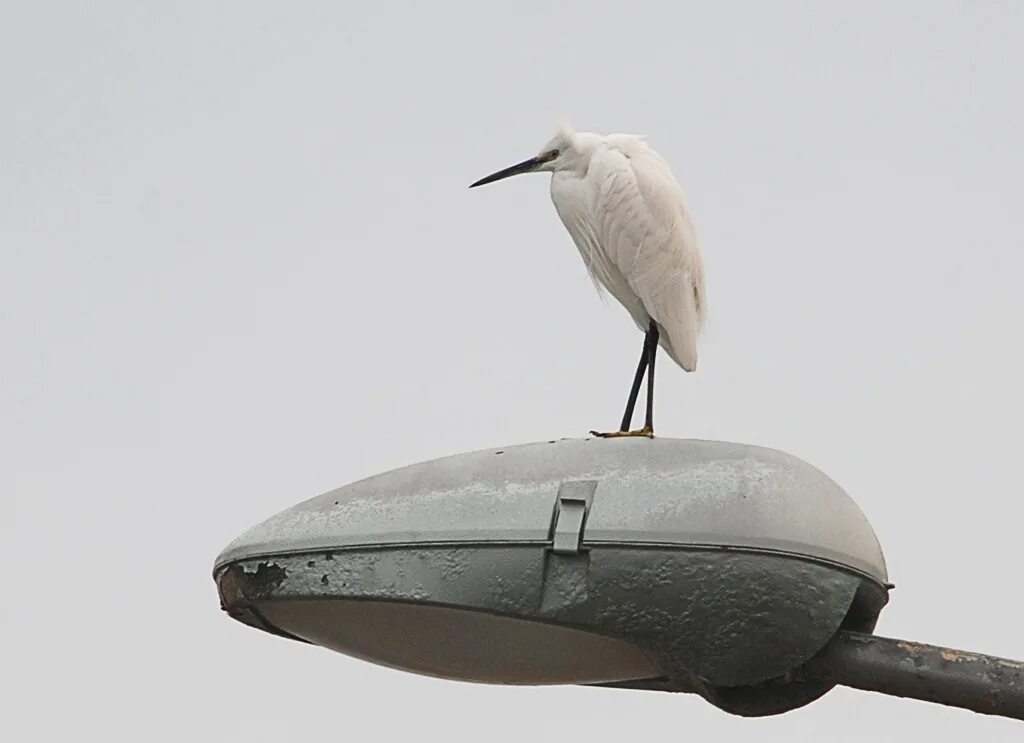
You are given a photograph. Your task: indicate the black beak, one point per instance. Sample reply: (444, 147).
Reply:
(526, 166)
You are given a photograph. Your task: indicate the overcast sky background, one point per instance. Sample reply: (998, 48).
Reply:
(239, 266)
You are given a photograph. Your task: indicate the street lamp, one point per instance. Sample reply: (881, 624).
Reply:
(735, 572)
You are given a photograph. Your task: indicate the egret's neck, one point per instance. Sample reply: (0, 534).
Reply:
(576, 160)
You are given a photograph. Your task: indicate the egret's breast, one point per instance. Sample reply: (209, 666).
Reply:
(574, 202)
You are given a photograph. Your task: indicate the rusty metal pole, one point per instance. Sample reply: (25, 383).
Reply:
(982, 683)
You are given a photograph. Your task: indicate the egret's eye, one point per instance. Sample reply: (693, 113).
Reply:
(553, 154)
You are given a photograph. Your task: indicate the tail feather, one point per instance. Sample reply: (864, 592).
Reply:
(686, 357)
(679, 319)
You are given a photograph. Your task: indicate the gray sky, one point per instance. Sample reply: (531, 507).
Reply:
(239, 266)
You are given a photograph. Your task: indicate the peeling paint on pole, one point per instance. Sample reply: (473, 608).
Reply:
(981, 683)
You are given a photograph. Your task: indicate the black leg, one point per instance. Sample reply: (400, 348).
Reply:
(646, 366)
(652, 335)
(627, 417)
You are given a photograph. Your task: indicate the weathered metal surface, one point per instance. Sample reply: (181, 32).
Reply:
(982, 683)
(725, 625)
(686, 566)
(661, 491)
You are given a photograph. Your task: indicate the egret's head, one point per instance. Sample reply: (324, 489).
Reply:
(561, 153)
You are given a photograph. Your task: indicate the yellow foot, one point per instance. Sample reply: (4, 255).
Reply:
(645, 432)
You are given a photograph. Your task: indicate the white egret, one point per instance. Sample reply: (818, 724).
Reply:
(627, 215)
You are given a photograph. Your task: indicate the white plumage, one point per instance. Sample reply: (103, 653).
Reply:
(627, 215)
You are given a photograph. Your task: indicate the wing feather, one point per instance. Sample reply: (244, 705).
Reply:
(628, 218)
(646, 231)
